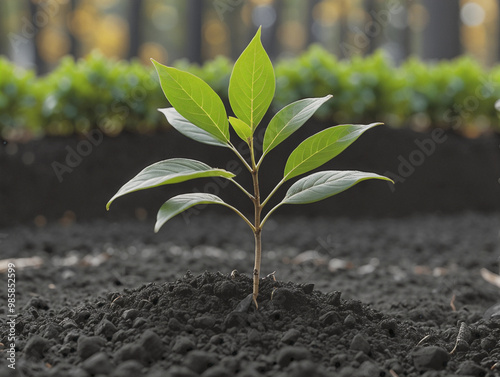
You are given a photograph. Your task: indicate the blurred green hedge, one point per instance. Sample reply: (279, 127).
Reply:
(113, 96)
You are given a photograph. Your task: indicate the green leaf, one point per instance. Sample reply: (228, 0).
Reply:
(252, 83)
(195, 100)
(321, 185)
(165, 172)
(182, 202)
(290, 119)
(188, 129)
(322, 147)
(242, 129)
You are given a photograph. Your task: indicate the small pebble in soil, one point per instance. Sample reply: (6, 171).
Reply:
(253, 336)
(130, 314)
(129, 368)
(204, 322)
(38, 303)
(217, 371)
(350, 321)
(52, 331)
(152, 344)
(308, 288)
(106, 328)
(291, 353)
(175, 371)
(359, 343)
(35, 347)
(469, 368)
(368, 369)
(183, 345)
(199, 361)
(290, 337)
(131, 351)
(89, 345)
(431, 357)
(329, 318)
(98, 363)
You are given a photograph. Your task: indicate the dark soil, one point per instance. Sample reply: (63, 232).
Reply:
(352, 298)
(453, 175)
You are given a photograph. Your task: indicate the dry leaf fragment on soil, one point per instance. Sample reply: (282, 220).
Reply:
(20, 263)
(490, 277)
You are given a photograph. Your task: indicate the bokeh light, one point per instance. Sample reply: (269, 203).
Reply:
(263, 15)
(153, 50)
(292, 35)
(54, 44)
(327, 12)
(472, 14)
(418, 17)
(111, 36)
(215, 33)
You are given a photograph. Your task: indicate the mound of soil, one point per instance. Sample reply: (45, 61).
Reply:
(392, 297)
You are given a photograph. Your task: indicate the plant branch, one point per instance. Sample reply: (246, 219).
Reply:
(241, 215)
(242, 189)
(260, 160)
(273, 192)
(269, 213)
(242, 159)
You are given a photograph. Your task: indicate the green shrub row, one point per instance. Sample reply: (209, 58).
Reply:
(113, 96)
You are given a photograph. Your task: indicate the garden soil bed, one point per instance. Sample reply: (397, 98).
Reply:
(58, 177)
(358, 297)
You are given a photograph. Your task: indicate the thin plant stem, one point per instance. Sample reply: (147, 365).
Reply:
(269, 214)
(257, 226)
(242, 189)
(240, 215)
(242, 159)
(273, 192)
(256, 271)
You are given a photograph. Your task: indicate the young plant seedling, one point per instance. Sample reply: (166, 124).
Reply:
(199, 114)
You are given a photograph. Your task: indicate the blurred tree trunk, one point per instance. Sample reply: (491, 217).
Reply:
(270, 35)
(73, 49)
(370, 8)
(40, 66)
(441, 37)
(3, 33)
(135, 29)
(343, 29)
(233, 25)
(195, 30)
(311, 37)
(406, 44)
